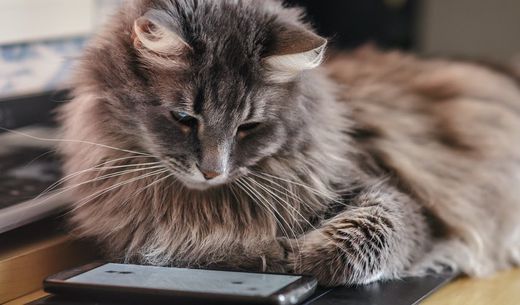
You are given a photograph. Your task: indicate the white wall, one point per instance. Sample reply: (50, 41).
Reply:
(29, 20)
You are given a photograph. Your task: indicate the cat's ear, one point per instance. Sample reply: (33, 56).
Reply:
(154, 34)
(294, 50)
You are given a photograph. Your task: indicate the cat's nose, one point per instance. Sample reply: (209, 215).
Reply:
(210, 175)
(214, 157)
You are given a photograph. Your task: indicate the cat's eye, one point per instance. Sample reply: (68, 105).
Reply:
(183, 118)
(248, 127)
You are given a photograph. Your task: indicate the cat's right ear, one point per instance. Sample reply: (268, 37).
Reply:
(156, 38)
(294, 50)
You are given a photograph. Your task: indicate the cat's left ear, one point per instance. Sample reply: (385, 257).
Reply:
(155, 36)
(295, 50)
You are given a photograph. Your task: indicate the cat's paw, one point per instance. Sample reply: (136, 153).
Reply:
(265, 257)
(313, 255)
(290, 249)
(273, 258)
(334, 261)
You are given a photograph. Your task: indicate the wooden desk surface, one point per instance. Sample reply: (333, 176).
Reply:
(31, 253)
(502, 289)
(49, 253)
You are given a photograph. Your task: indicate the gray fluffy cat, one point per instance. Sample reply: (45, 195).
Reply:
(203, 134)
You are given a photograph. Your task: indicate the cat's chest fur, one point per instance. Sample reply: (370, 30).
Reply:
(180, 228)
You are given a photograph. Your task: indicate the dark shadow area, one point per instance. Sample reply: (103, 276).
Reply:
(350, 23)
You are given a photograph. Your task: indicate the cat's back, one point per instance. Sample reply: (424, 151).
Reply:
(448, 132)
(435, 108)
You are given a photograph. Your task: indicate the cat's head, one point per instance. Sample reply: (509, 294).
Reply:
(220, 84)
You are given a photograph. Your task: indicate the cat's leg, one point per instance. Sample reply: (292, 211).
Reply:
(377, 236)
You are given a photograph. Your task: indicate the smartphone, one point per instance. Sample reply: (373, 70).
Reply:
(146, 284)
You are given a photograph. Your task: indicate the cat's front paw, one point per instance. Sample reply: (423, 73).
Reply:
(267, 256)
(273, 258)
(318, 257)
(334, 260)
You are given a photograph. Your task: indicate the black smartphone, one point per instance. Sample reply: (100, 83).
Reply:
(146, 284)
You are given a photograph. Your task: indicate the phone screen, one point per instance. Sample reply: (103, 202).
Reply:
(190, 280)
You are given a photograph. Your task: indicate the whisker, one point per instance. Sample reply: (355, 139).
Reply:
(73, 141)
(148, 186)
(282, 204)
(248, 192)
(307, 187)
(38, 157)
(102, 192)
(311, 225)
(292, 195)
(277, 198)
(70, 176)
(121, 173)
(176, 164)
(134, 194)
(273, 209)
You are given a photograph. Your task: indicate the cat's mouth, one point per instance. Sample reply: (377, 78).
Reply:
(195, 180)
(192, 178)
(199, 183)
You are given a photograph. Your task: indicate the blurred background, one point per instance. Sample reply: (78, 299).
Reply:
(40, 38)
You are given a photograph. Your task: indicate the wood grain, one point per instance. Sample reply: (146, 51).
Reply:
(29, 255)
(501, 289)
(33, 296)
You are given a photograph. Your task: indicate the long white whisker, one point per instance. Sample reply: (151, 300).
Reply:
(38, 157)
(121, 173)
(310, 224)
(73, 141)
(176, 163)
(249, 193)
(307, 187)
(283, 205)
(266, 202)
(292, 195)
(102, 192)
(94, 168)
(134, 194)
(148, 186)
(277, 198)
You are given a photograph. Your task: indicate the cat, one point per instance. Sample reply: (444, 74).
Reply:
(222, 134)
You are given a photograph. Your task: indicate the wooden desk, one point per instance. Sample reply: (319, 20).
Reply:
(30, 254)
(502, 289)
(51, 252)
